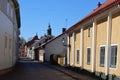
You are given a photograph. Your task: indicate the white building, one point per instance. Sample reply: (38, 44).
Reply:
(9, 31)
(55, 46)
(52, 46)
(30, 47)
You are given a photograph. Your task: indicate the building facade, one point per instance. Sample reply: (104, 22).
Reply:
(53, 46)
(38, 50)
(29, 47)
(95, 41)
(9, 33)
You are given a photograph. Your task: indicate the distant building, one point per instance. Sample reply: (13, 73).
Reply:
(9, 33)
(95, 41)
(53, 46)
(44, 39)
(47, 37)
(29, 49)
(21, 47)
(22, 51)
(35, 42)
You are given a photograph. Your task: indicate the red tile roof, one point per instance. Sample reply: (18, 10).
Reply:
(105, 6)
(29, 43)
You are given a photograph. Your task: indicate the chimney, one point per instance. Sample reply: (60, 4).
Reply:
(99, 4)
(63, 30)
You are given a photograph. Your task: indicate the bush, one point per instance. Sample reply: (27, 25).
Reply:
(54, 59)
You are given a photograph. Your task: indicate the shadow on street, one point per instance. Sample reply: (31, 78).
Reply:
(27, 69)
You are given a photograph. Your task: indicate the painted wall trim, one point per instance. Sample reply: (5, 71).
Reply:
(93, 45)
(108, 41)
(73, 48)
(68, 51)
(81, 48)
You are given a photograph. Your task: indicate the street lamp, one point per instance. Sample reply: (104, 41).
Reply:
(64, 44)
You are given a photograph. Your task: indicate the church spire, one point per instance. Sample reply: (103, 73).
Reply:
(49, 30)
(36, 34)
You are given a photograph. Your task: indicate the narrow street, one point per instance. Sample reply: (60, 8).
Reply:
(33, 70)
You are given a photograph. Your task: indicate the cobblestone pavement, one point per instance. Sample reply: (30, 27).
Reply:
(33, 70)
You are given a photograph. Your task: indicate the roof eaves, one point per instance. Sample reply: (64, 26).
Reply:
(50, 40)
(102, 8)
(17, 12)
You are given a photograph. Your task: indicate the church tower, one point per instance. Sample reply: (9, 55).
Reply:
(49, 30)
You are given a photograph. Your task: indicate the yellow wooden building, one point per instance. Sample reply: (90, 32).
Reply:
(95, 41)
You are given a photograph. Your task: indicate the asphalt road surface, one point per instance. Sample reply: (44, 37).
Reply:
(34, 70)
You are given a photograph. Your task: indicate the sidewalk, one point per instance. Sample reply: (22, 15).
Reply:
(73, 74)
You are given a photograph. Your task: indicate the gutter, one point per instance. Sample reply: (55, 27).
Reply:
(92, 14)
(17, 12)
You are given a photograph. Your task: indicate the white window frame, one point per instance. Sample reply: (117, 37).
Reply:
(100, 54)
(117, 56)
(87, 56)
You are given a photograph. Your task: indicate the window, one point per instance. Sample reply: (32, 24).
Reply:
(5, 42)
(11, 12)
(77, 56)
(74, 36)
(102, 56)
(113, 56)
(88, 56)
(10, 44)
(5, 45)
(8, 7)
(88, 31)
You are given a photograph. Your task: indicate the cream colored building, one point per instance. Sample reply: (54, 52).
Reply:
(95, 41)
(9, 31)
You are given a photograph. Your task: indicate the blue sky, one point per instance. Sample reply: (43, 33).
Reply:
(37, 14)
